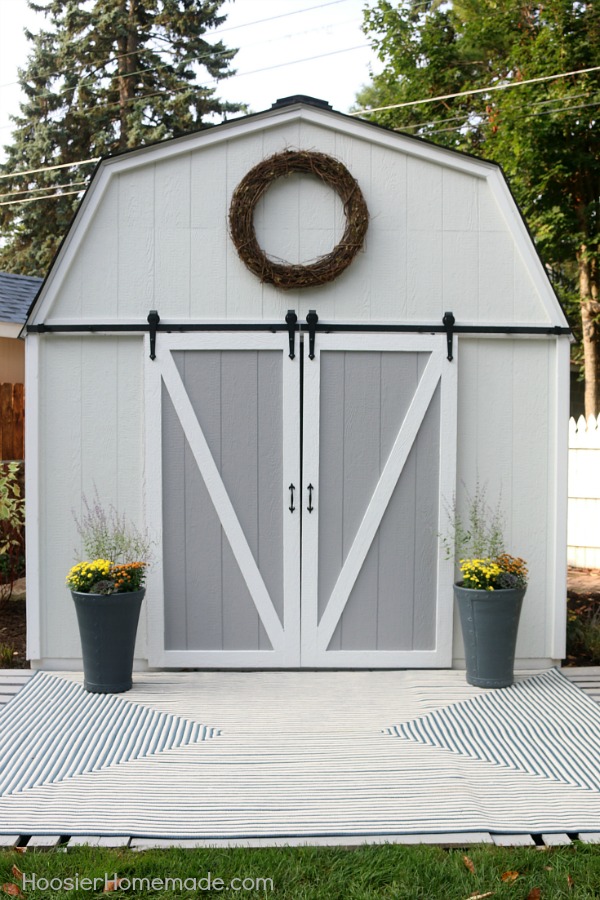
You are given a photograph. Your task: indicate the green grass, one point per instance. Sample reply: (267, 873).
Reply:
(306, 873)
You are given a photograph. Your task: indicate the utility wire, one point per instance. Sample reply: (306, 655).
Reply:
(45, 188)
(403, 128)
(79, 162)
(436, 131)
(482, 113)
(486, 90)
(546, 112)
(91, 79)
(215, 33)
(34, 199)
(205, 84)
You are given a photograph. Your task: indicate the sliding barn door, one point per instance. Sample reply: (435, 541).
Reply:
(236, 509)
(223, 432)
(379, 414)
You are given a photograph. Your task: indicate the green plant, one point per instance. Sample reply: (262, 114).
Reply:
(12, 527)
(477, 545)
(12, 506)
(109, 535)
(7, 651)
(583, 633)
(481, 535)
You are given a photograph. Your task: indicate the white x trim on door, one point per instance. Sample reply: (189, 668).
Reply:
(317, 634)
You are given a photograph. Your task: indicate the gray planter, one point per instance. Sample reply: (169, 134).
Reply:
(107, 627)
(489, 621)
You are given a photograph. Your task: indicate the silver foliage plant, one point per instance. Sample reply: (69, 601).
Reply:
(481, 535)
(106, 534)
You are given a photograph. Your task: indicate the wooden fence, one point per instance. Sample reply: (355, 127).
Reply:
(12, 421)
(583, 534)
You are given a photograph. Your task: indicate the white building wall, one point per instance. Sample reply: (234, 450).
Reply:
(440, 238)
(584, 492)
(90, 434)
(509, 437)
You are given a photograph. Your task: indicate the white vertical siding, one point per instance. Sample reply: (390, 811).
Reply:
(441, 237)
(584, 492)
(438, 239)
(208, 228)
(137, 243)
(506, 442)
(90, 432)
(172, 201)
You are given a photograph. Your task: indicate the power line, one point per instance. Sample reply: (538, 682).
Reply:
(192, 59)
(419, 125)
(215, 33)
(509, 119)
(45, 188)
(206, 84)
(34, 199)
(474, 113)
(497, 87)
(79, 162)
(436, 131)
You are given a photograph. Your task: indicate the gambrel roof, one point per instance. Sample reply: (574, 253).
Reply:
(445, 231)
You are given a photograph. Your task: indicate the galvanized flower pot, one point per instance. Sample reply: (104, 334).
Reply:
(107, 627)
(489, 621)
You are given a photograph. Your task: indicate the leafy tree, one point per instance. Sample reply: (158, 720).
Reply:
(545, 135)
(106, 75)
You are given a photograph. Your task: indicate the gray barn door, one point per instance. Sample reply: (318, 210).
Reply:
(237, 514)
(380, 454)
(226, 588)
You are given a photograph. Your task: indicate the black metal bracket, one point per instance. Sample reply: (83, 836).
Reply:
(311, 320)
(448, 323)
(153, 320)
(291, 319)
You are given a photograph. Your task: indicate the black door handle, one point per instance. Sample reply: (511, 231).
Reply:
(310, 507)
(292, 507)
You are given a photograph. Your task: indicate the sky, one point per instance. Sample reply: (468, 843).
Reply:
(286, 47)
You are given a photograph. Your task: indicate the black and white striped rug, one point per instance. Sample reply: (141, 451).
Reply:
(237, 755)
(544, 726)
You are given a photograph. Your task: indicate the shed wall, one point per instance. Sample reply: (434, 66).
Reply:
(507, 439)
(438, 239)
(91, 432)
(155, 236)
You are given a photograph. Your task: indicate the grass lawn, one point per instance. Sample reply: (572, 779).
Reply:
(306, 873)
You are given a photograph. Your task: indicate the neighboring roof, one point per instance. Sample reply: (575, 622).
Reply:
(17, 293)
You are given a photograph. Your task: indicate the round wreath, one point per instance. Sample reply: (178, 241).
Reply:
(255, 184)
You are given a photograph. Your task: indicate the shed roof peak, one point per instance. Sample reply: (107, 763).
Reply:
(301, 98)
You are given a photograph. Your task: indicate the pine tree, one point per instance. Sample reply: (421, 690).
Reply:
(105, 76)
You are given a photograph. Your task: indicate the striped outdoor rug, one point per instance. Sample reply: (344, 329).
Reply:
(299, 754)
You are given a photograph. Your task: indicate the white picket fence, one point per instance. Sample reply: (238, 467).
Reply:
(583, 532)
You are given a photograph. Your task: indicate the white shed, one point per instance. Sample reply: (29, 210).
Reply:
(295, 472)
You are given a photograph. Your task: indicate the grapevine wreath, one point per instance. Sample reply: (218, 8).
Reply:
(255, 184)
